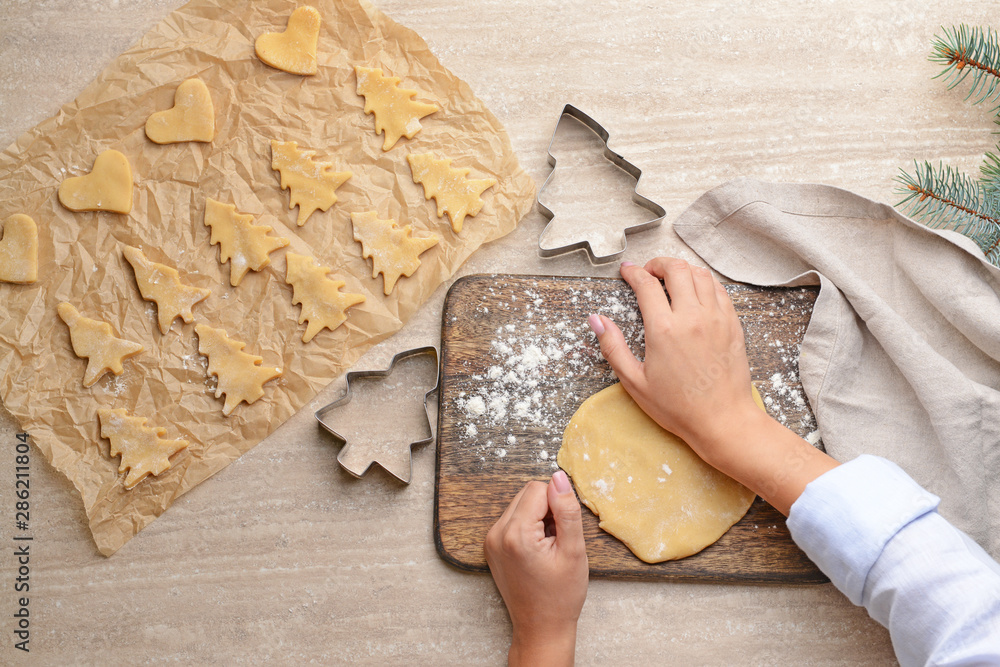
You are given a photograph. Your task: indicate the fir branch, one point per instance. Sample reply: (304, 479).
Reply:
(945, 198)
(991, 247)
(965, 50)
(990, 170)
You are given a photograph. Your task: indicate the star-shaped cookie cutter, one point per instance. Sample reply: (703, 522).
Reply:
(617, 160)
(343, 458)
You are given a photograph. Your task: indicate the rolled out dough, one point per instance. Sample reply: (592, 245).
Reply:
(649, 489)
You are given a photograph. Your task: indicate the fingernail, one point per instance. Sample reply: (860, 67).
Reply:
(624, 264)
(561, 481)
(596, 324)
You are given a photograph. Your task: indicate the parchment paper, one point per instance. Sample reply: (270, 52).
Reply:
(80, 253)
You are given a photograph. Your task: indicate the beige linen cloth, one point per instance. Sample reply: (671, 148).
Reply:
(902, 355)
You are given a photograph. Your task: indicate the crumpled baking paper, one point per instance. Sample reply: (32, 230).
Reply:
(80, 253)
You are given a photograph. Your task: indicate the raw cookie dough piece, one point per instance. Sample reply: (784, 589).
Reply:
(393, 251)
(19, 250)
(241, 243)
(192, 118)
(323, 304)
(649, 488)
(240, 374)
(142, 451)
(395, 113)
(162, 284)
(108, 187)
(451, 188)
(96, 341)
(293, 51)
(311, 185)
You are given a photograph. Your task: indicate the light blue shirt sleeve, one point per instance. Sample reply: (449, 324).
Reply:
(878, 536)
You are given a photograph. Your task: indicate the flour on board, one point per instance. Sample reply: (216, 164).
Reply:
(536, 355)
(526, 385)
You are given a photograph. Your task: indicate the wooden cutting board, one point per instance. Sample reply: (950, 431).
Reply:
(518, 359)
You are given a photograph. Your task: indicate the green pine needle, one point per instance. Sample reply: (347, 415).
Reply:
(944, 198)
(990, 170)
(970, 50)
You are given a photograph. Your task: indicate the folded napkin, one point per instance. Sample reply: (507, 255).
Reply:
(902, 355)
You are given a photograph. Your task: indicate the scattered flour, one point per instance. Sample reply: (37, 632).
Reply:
(603, 487)
(475, 407)
(536, 357)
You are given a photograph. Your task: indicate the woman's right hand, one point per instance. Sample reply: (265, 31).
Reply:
(695, 380)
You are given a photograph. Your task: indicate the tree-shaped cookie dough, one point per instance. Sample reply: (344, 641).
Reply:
(393, 250)
(452, 189)
(192, 118)
(241, 243)
(294, 50)
(142, 451)
(162, 284)
(323, 304)
(96, 341)
(19, 250)
(395, 113)
(240, 374)
(108, 186)
(311, 185)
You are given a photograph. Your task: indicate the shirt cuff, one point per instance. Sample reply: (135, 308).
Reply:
(845, 517)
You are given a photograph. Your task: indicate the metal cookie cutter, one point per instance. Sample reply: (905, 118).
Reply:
(391, 447)
(617, 160)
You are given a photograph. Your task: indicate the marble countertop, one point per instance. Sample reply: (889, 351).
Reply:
(284, 557)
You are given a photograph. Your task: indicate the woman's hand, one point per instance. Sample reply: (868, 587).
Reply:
(695, 381)
(537, 557)
(695, 370)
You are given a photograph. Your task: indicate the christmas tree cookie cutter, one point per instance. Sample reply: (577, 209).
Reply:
(618, 161)
(393, 452)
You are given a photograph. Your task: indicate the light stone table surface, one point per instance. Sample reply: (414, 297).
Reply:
(283, 557)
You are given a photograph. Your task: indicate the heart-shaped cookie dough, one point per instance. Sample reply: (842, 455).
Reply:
(192, 117)
(107, 188)
(19, 250)
(294, 50)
